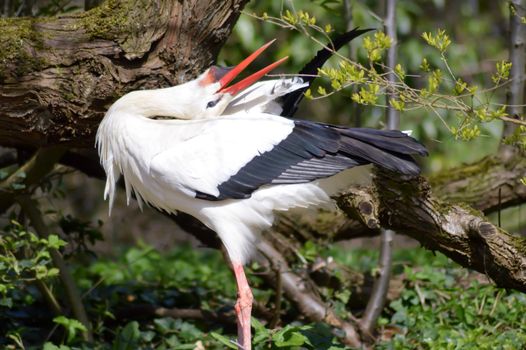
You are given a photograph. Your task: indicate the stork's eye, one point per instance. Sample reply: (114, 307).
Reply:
(213, 103)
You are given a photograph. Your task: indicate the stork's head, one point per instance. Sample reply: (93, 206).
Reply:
(215, 82)
(202, 98)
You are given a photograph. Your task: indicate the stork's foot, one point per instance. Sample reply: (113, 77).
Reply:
(243, 308)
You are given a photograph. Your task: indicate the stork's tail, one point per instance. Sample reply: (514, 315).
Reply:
(389, 149)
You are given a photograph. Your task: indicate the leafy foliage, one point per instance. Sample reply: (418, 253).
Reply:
(471, 105)
(441, 305)
(447, 108)
(25, 258)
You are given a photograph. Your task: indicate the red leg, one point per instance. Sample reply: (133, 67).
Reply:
(243, 308)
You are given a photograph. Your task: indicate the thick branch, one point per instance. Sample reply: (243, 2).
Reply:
(297, 290)
(58, 76)
(488, 185)
(455, 230)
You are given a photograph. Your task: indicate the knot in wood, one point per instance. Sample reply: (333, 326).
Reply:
(365, 208)
(486, 229)
(479, 228)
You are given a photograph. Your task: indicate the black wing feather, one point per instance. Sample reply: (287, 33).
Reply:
(314, 151)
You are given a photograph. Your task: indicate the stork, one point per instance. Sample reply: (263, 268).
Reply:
(224, 155)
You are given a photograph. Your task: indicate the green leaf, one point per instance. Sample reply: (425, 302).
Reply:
(260, 332)
(289, 336)
(343, 296)
(188, 332)
(51, 346)
(164, 325)
(71, 325)
(128, 337)
(54, 241)
(223, 340)
(502, 73)
(17, 186)
(41, 271)
(7, 302)
(440, 40)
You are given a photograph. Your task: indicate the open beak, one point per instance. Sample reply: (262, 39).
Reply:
(243, 84)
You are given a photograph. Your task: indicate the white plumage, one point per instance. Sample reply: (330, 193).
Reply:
(164, 161)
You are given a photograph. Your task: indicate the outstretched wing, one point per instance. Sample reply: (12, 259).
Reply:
(232, 157)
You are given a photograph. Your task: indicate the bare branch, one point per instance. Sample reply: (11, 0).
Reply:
(458, 231)
(146, 311)
(381, 285)
(297, 290)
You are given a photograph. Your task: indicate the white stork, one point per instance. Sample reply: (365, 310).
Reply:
(230, 160)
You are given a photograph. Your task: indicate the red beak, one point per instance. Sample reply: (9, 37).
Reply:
(243, 84)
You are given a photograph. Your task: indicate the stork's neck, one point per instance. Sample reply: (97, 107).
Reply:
(174, 102)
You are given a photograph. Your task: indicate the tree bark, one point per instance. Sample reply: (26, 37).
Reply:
(458, 231)
(58, 76)
(411, 208)
(491, 184)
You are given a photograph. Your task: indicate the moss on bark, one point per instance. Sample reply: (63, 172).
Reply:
(17, 41)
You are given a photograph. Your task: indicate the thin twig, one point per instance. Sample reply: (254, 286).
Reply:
(50, 298)
(513, 120)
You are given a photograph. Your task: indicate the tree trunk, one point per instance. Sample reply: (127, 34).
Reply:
(58, 76)
(517, 57)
